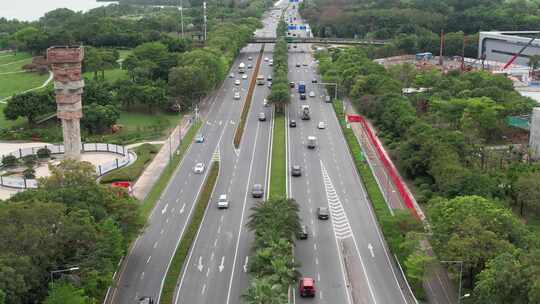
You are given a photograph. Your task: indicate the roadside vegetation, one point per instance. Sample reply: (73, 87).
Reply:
(441, 140)
(145, 155)
(177, 263)
(271, 266)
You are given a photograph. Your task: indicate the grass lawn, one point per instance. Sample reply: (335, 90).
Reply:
(279, 171)
(124, 53)
(15, 66)
(110, 75)
(15, 83)
(133, 121)
(7, 58)
(145, 154)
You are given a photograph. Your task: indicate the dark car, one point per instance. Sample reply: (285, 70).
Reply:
(292, 123)
(323, 213)
(250, 66)
(302, 96)
(302, 233)
(291, 84)
(314, 80)
(298, 65)
(257, 191)
(146, 300)
(296, 170)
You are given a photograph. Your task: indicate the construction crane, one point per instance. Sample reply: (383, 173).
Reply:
(518, 53)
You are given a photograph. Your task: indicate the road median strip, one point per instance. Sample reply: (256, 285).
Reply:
(177, 263)
(279, 171)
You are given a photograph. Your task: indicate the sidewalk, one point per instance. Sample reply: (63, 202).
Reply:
(151, 174)
(437, 285)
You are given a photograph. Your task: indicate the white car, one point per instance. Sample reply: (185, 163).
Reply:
(266, 59)
(237, 82)
(236, 95)
(311, 94)
(231, 75)
(222, 202)
(199, 168)
(321, 125)
(250, 58)
(244, 76)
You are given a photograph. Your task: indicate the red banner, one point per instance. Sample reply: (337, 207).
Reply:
(354, 118)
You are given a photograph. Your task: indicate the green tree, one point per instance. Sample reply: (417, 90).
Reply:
(262, 291)
(99, 119)
(30, 105)
(62, 293)
(527, 189)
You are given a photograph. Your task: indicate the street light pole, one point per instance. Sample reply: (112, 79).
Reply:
(60, 271)
(204, 9)
(460, 278)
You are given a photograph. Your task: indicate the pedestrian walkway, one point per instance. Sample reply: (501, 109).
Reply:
(151, 174)
(437, 285)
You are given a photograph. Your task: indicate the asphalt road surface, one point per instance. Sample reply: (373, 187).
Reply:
(346, 255)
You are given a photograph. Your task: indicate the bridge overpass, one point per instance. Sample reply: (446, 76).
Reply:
(319, 40)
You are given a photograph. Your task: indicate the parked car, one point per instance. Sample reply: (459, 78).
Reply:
(257, 191)
(323, 213)
(292, 123)
(199, 168)
(296, 170)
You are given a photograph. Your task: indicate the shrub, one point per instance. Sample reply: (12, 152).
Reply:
(30, 160)
(43, 153)
(9, 160)
(29, 173)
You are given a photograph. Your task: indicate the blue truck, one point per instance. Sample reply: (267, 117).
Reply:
(301, 87)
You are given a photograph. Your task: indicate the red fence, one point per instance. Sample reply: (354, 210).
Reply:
(389, 167)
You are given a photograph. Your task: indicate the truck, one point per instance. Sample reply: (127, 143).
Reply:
(301, 87)
(242, 68)
(305, 112)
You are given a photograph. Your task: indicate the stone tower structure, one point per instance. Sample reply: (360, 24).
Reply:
(534, 135)
(66, 67)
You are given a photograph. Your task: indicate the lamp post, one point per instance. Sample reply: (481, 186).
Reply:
(460, 278)
(53, 272)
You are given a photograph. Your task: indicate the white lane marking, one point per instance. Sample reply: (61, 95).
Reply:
(221, 219)
(142, 275)
(315, 246)
(316, 261)
(161, 232)
(219, 230)
(318, 277)
(212, 256)
(221, 266)
(172, 210)
(178, 200)
(207, 272)
(243, 212)
(246, 264)
(340, 222)
(215, 242)
(167, 220)
(182, 209)
(203, 289)
(200, 266)
(155, 245)
(148, 260)
(370, 248)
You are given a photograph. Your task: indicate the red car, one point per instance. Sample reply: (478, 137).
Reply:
(306, 287)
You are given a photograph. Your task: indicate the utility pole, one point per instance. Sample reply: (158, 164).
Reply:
(204, 12)
(441, 49)
(181, 4)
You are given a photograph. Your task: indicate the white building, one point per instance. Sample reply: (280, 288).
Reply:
(502, 46)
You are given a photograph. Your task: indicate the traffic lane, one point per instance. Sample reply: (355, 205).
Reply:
(136, 278)
(382, 273)
(309, 193)
(258, 173)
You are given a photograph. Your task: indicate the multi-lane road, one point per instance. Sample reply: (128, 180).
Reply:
(346, 255)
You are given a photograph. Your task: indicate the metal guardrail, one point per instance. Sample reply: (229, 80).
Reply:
(22, 183)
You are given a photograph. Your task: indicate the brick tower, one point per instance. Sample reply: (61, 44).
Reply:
(68, 86)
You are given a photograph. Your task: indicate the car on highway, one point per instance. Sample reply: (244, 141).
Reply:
(291, 84)
(298, 65)
(266, 59)
(146, 300)
(236, 95)
(321, 125)
(323, 213)
(269, 84)
(292, 123)
(237, 82)
(327, 98)
(304, 64)
(244, 76)
(302, 96)
(231, 75)
(223, 202)
(311, 94)
(269, 78)
(314, 80)
(250, 66)
(265, 103)
(250, 58)
(199, 168)
(199, 138)
(311, 142)
(294, 46)
(262, 116)
(302, 233)
(257, 191)
(306, 287)
(296, 170)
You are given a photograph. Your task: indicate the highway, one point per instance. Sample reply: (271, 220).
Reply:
(346, 255)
